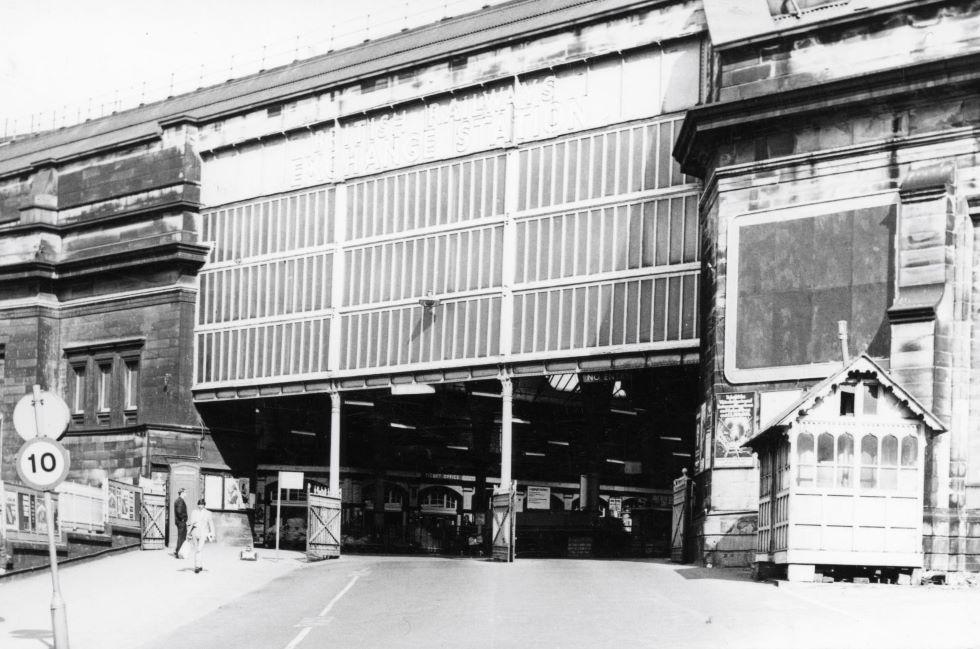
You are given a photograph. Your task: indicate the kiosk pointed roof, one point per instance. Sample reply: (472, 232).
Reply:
(861, 366)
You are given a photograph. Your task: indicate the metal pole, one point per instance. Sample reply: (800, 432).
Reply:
(59, 621)
(506, 428)
(842, 335)
(335, 444)
(278, 511)
(3, 500)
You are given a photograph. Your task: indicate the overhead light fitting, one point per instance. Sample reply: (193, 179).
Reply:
(458, 448)
(366, 404)
(304, 433)
(681, 454)
(429, 301)
(555, 442)
(631, 413)
(395, 424)
(490, 395)
(612, 461)
(672, 439)
(533, 454)
(513, 420)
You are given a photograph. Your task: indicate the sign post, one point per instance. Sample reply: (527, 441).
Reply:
(3, 499)
(41, 419)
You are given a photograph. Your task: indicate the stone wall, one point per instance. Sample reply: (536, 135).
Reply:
(837, 51)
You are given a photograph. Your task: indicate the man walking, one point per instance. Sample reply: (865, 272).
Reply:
(180, 516)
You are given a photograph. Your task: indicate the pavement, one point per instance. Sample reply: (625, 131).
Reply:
(124, 600)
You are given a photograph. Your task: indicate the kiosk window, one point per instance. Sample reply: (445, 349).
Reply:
(869, 462)
(804, 454)
(845, 460)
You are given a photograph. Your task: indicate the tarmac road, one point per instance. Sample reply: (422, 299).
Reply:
(374, 602)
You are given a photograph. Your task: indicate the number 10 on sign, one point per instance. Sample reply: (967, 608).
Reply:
(42, 463)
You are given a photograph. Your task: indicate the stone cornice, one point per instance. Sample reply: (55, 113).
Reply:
(703, 126)
(97, 346)
(100, 304)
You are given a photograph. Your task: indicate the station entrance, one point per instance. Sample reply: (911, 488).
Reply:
(592, 459)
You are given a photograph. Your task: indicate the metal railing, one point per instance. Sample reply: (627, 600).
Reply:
(304, 46)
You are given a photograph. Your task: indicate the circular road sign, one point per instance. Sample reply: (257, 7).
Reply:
(45, 416)
(42, 463)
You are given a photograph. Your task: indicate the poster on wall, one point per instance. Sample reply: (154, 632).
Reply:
(699, 440)
(233, 493)
(734, 424)
(538, 497)
(10, 517)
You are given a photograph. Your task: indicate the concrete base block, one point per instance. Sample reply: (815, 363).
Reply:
(904, 579)
(800, 572)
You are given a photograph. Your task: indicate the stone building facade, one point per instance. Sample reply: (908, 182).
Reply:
(486, 210)
(839, 157)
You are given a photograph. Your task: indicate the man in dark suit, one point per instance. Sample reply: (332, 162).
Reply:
(180, 516)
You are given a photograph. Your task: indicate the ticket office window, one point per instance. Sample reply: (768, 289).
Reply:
(885, 462)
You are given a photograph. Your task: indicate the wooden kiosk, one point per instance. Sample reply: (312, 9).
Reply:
(841, 476)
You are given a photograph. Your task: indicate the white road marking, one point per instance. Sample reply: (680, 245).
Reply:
(309, 623)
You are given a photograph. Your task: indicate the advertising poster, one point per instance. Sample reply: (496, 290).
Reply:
(699, 440)
(41, 517)
(10, 517)
(243, 489)
(26, 522)
(735, 424)
(233, 494)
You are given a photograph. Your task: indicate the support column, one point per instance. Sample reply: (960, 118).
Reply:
(334, 482)
(596, 398)
(506, 432)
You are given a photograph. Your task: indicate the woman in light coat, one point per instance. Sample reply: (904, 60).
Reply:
(200, 529)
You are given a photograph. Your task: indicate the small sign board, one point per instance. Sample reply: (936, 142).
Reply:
(290, 479)
(42, 463)
(538, 497)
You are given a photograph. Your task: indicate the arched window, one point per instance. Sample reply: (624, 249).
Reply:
(825, 460)
(845, 460)
(910, 451)
(888, 477)
(908, 479)
(805, 459)
(438, 498)
(869, 462)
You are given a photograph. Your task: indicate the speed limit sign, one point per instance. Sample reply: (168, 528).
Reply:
(42, 463)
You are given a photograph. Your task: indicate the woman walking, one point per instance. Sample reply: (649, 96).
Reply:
(200, 528)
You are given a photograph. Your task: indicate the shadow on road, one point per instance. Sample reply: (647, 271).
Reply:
(44, 636)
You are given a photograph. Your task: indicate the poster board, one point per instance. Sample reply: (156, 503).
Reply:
(735, 424)
(24, 516)
(124, 504)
